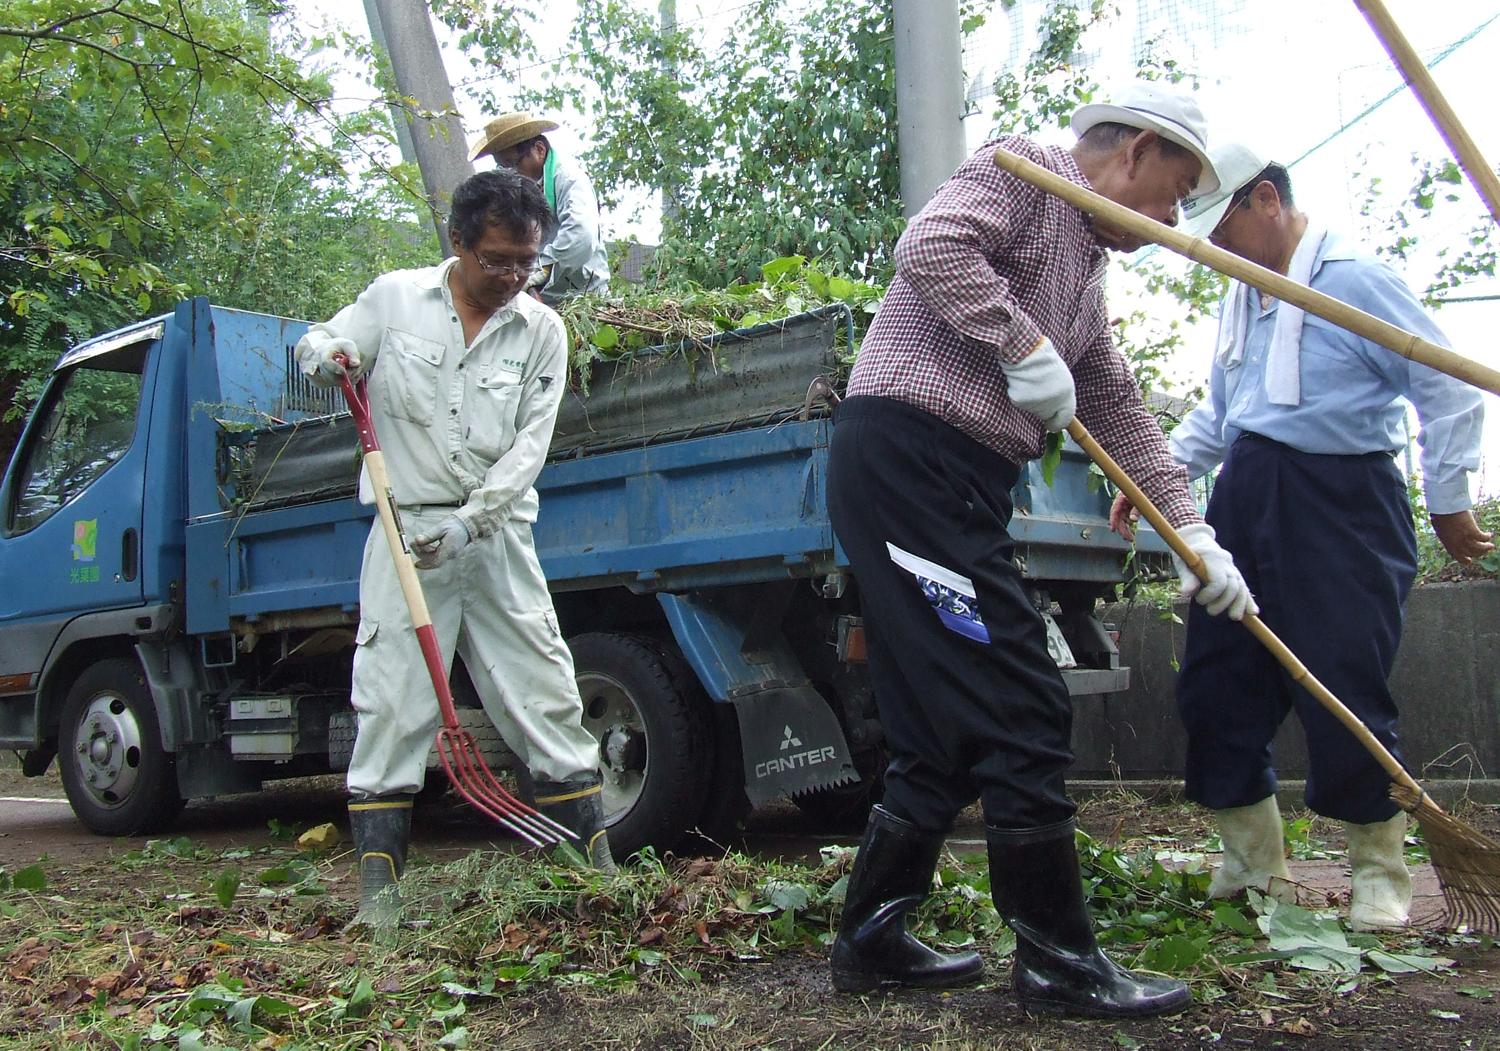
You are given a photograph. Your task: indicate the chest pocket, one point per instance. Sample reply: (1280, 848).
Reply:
(407, 373)
(492, 418)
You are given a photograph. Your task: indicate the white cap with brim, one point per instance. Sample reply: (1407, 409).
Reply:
(1237, 165)
(1172, 114)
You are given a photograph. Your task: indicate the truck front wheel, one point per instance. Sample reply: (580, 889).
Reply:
(654, 746)
(119, 779)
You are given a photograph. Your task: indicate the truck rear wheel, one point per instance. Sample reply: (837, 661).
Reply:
(653, 733)
(119, 779)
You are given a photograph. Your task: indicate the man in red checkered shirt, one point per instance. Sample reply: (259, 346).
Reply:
(992, 334)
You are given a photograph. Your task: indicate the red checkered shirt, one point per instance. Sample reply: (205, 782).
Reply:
(988, 268)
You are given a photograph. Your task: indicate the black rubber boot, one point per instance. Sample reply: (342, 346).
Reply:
(578, 806)
(1059, 969)
(892, 874)
(382, 829)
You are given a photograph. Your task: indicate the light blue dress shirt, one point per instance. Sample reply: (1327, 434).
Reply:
(1354, 391)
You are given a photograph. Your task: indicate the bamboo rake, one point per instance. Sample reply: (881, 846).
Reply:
(1466, 860)
(1414, 71)
(1407, 344)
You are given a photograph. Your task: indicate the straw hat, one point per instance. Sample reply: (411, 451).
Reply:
(1152, 106)
(508, 129)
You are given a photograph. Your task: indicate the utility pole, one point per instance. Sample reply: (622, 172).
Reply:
(398, 113)
(437, 133)
(670, 183)
(929, 96)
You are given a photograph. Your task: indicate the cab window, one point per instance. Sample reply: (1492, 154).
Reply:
(87, 424)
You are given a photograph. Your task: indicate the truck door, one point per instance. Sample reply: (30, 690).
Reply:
(72, 499)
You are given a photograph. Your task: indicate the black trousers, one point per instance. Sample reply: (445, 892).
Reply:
(1327, 546)
(972, 704)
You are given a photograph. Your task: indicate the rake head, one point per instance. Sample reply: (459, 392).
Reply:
(472, 778)
(1466, 860)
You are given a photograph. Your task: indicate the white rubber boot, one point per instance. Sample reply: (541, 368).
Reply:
(1254, 852)
(1381, 894)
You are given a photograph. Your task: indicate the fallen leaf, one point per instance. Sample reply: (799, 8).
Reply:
(651, 935)
(320, 837)
(1299, 1027)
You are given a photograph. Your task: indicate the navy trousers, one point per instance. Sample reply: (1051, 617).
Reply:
(1327, 546)
(972, 704)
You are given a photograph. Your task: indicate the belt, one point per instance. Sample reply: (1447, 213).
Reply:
(417, 509)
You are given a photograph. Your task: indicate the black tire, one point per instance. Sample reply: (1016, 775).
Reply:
(655, 748)
(119, 779)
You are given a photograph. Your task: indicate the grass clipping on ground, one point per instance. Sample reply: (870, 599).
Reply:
(174, 945)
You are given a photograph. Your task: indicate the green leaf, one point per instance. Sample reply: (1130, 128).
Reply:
(843, 289)
(1175, 953)
(703, 1021)
(30, 878)
(455, 1038)
(1310, 941)
(1406, 963)
(362, 999)
(787, 895)
(606, 337)
(226, 886)
(293, 873)
(1052, 456)
(777, 268)
(1230, 918)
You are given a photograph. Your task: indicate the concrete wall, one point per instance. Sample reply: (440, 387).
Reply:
(1446, 681)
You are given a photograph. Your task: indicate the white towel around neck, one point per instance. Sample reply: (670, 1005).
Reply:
(1284, 358)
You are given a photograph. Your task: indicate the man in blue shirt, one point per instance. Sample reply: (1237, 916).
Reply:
(1305, 419)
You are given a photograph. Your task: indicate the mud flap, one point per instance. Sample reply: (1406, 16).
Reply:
(792, 743)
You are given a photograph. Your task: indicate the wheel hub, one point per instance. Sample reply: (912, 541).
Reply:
(611, 716)
(108, 751)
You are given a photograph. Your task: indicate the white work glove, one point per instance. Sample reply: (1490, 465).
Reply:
(329, 368)
(1226, 589)
(1041, 384)
(437, 546)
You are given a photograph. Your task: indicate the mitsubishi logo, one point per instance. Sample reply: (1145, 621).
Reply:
(791, 740)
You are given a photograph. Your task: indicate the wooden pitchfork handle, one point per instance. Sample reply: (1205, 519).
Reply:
(1407, 344)
(1414, 71)
(1298, 671)
(456, 749)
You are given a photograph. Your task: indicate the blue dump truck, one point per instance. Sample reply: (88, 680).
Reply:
(181, 548)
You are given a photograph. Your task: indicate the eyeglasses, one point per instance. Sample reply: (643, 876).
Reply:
(506, 269)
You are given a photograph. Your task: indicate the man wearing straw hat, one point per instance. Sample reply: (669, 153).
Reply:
(573, 259)
(993, 331)
(1306, 419)
(465, 377)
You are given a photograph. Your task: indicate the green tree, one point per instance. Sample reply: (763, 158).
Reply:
(777, 140)
(151, 151)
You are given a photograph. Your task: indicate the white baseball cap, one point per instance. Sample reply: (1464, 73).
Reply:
(1152, 106)
(1238, 166)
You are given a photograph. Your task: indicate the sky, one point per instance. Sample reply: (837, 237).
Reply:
(1294, 78)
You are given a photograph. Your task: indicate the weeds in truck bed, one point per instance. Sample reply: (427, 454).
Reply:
(173, 944)
(682, 320)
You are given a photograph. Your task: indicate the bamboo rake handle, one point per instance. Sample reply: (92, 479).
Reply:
(1407, 344)
(1419, 79)
(406, 572)
(1298, 671)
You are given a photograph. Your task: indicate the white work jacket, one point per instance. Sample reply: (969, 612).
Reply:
(466, 427)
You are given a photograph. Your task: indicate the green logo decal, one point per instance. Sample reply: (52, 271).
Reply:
(85, 539)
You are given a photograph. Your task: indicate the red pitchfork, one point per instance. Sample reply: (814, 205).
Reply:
(460, 756)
